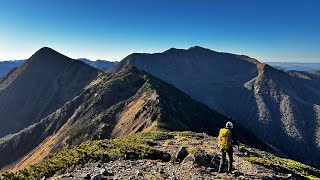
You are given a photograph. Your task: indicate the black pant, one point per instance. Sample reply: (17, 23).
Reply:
(223, 159)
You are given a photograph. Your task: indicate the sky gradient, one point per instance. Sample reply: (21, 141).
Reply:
(273, 30)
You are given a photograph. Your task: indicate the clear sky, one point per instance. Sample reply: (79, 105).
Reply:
(270, 30)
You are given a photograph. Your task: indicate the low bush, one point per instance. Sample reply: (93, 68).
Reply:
(130, 147)
(284, 165)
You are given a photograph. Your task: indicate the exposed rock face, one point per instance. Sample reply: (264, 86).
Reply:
(45, 82)
(279, 107)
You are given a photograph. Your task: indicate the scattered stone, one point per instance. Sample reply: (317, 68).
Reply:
(194, 166)
(96, 177)
(197, 159)
(104, 172)
(138, 173)
(86, 176)
(149, 162)
(67, 175)
(181, 154)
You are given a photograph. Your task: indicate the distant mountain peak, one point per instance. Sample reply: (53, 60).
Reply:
(48, 54)
(173, 50)
(44, 50)
(198, 48)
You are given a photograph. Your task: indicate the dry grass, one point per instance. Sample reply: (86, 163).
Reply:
(40, 152)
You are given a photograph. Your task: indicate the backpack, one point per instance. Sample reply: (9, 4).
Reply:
(224, 139)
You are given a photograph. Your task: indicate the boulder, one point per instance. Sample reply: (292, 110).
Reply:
(181, 154)
(199, 159)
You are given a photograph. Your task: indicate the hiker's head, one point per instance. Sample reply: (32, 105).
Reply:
(229, 125)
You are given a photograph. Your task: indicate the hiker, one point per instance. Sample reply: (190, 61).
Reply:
(226, 141)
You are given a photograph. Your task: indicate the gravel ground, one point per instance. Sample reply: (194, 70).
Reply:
(190, 168)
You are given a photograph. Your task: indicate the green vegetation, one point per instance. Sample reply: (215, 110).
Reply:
(131, 147)
(288, 166)
(139, 146)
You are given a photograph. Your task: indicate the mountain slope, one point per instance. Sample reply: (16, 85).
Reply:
(6, 66)
(46, 81)
(111, 106)
(103, 65)
(283, 113)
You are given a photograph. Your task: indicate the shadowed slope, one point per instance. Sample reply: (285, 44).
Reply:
(280, 108)
(46, 81)
(111, 106)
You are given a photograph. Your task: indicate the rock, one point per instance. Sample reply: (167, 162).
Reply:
(290, 176)
(96, 177)
(181, 154)
(161, 170)
(86, 176)
(67, 175)
(138, 173)
(149, 162)
(105, 172)
(197, 158)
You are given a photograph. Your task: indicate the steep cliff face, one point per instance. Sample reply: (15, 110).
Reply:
(45, 82)
(279, 107)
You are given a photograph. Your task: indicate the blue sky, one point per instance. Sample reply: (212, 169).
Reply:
(273, 30)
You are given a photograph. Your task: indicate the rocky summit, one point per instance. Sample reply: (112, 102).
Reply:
(157, 158)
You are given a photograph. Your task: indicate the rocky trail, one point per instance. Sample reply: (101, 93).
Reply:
(192, 158)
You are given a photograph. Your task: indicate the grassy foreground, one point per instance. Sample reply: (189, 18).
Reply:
(140, 146)
(132, 147)
(288, 166)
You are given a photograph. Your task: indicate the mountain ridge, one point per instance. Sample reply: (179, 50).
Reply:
(253, 93)
(39, 86)
(100, 112)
